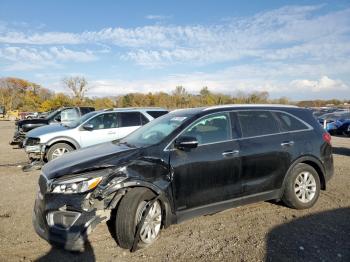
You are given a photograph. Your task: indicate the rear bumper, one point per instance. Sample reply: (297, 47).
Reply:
(328, 168)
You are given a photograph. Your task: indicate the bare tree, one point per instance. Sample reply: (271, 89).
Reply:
(77, 85)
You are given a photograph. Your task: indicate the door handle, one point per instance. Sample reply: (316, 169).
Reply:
(111, 133)
(287, 143)
(230, 153)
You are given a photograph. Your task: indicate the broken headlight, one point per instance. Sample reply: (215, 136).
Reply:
(87, 181)
(32, 141)
(77, 185)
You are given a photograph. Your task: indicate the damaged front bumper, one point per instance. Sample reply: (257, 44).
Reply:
(18, 138)
(63, 221)
(35, 151)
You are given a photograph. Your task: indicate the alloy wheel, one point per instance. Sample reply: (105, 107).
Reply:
(59, 152)
(305, 187)
(152, 223)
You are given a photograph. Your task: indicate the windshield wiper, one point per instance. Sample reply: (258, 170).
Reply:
(127, 144)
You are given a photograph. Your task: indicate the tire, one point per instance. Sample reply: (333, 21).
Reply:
(54, 150)
(297, 194)
(129, 213)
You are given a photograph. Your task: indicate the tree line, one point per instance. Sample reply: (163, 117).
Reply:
(26, 96)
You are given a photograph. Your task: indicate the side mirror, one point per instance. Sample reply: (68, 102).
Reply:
(88, 127)
(186, 142)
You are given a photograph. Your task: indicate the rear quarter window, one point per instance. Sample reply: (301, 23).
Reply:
(257, 123)
(289, 123)
(85, 110)
(156, 114)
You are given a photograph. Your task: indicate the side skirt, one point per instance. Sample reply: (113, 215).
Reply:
(223, 205)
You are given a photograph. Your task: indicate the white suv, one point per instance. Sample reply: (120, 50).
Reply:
(51, 141)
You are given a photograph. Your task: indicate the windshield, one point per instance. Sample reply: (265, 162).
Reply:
(81, 120)
(52, 114)
(156, 130)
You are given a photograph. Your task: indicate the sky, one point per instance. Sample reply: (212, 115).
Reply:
(295, 49)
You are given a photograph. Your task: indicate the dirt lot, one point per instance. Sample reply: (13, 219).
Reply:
(262, 231)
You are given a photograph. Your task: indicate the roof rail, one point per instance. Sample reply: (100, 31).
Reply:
(140, 107)
(249, 105)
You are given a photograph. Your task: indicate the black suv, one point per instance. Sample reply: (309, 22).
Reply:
(187, 163)
(62, 115)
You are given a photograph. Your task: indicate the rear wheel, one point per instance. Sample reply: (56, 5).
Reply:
(302, 187)
(131, 210)
(58, 150)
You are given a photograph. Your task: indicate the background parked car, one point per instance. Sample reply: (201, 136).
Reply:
(62, 115)
(49, 142)
(31, 115)
(45, 114)
(330, 117)
(339, 127)
(319, 112)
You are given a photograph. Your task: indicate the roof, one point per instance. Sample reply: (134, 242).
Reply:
(125, 109)
(138, 108)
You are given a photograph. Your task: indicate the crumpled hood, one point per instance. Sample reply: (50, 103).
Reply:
(32, 121)
(46, 129)
(89, 158)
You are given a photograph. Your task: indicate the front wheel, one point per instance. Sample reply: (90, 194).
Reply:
(302, 187)
(131, 209)
(58, 150)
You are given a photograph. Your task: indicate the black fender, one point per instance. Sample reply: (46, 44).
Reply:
(169, 214)
(148, 172)
(63, 139)
(307, 159)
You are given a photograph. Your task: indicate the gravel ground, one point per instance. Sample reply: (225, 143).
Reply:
(259, 232)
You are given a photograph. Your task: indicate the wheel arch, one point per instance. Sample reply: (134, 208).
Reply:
(67, 140)
(163, 198)
(311, 161)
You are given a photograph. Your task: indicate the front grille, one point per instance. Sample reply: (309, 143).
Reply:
(32, 141)
(43, 184)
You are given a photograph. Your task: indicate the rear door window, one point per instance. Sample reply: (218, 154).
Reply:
(289, 123)
(257, 123)
(127, 119)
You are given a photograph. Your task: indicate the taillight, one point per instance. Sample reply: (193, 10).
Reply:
(327, 138)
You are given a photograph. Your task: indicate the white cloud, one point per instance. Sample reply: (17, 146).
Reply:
(221, 81)
(323, 84)
(48, 38)
(287, 30)
(64, 54)
(157, 17)
(29, 58)
(286, 50)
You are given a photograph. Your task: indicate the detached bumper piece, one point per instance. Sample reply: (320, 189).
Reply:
(64, 228)
(33, 148)
(35, 154)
